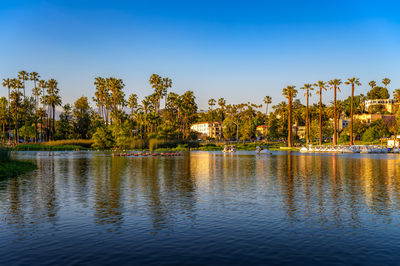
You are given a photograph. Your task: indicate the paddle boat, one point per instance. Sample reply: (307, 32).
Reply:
(229, 148)
(262, 150)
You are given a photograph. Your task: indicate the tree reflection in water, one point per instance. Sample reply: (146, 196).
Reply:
(328, 190)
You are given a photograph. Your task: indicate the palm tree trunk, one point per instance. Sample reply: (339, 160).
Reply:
(320, 116)
(290, 123)
(16, 122)
(54, 121)
(307, 123)
(351, 116)
(335, 119)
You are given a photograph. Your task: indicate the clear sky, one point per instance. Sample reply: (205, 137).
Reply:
(239, 50)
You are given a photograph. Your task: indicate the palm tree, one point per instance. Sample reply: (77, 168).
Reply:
(23, 76)
(157, 84)
(117, 97)
(307, 87)
(353, 82)
(372, 84)
(15, 96)
(322, 86)
(53, 100)
(100, 95)
(289, 93)
(267, 101)
(222, 105)
(34, 76)
(335, 83)
(211, 103)
(43, 86)
(386, 81)
(8, 84)
(3, 115)
(166, 83)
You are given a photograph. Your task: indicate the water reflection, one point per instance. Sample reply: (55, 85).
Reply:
(323, 190)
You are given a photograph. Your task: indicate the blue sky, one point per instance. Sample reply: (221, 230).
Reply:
(240, 50)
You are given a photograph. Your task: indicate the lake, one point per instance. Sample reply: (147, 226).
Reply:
(202, 208)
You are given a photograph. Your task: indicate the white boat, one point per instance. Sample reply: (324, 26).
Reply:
(303, 149)
(262, 150)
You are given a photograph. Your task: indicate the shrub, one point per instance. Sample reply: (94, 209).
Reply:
(102, 138)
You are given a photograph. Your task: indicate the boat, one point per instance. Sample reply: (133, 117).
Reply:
(262, 150)
(229, 148)
(303, 149)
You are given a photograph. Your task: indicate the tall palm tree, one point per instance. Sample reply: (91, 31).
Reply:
(290, 93)
(23, 76)
(307, 87)
(335, 83)
(211, 103)
(386, 81)
(43, 86)
(15, 96)
(156, 83)
(8, 84)
(53, 100)
(34, 76)
(222, 105)
(353, 82)
(117, 96)
(3, 116)
(322, 86)
(267, 101)
(166, 83)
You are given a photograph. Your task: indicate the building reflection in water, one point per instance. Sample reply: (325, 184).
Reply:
(330, 190)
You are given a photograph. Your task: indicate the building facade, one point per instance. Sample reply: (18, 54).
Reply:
(208, 129)
(388, 104)
(370, 118)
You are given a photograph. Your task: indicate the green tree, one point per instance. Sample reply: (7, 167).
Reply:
(82, 118)
(64, 125)
(378, 93)
(103, 138)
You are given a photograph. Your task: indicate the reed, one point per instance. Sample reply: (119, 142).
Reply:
(87, 143)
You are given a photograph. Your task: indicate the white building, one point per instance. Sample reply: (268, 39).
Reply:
(208, 129)
(388, 104)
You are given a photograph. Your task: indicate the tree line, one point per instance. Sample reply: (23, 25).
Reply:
(120, 120)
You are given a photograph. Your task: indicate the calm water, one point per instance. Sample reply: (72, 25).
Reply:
(202, 208)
